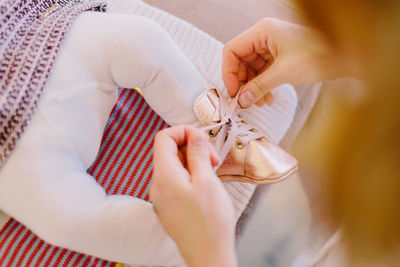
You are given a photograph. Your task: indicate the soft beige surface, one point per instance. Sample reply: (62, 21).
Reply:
(278, 231)
(224, 19)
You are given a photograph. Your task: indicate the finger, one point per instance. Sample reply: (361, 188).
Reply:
(245, 43)
(198, 154)
(267, 56)
(176, 136)
(258, 64)
(250, 74)
(179, 135)
(215, 159)
(166, 156)
(242, 73)
(250, 57)
(182, 156)
(269, 99)
(230, 71)
(256, 88)
(239, 47)
(260, 102)
(167, 141)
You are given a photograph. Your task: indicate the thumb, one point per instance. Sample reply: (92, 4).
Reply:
(198, 154)
(259, 86)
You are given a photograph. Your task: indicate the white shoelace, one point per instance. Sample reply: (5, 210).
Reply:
(230, 124)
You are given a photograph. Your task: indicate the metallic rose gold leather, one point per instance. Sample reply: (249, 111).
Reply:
(234, 162)
(265, 160)
(259, 162)
(206, 112)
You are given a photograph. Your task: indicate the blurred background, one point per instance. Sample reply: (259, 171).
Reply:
(279, 229)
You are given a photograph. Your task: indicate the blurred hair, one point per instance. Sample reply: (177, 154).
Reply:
(357, 151)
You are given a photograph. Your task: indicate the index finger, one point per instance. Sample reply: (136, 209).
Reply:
(166, 158)
(230, 71)
(239, 47)
(167, 141)
(166, 150)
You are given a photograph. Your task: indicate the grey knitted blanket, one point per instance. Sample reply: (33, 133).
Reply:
(31, 33)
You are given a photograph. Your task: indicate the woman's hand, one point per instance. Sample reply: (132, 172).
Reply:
(271, 53)
(190, 200)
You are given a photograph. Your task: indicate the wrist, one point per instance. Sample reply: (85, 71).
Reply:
(220, 252)
(225, 257)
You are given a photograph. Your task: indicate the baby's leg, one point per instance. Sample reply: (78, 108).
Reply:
(44, 183)
(45, 186)
(139, 53)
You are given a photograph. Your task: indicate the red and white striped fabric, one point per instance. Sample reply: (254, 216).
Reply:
(123, 166)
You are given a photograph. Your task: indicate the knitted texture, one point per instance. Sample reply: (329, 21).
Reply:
(28, 47)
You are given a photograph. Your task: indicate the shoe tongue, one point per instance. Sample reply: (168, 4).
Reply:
(207, 107)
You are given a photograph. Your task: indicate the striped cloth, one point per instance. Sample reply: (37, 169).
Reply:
(123, 166)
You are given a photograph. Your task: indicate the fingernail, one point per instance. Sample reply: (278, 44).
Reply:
(246, 99)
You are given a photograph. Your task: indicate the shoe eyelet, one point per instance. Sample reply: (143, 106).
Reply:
(239, 145)
(211, 134)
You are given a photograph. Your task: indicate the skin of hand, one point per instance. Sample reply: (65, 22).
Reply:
(271, 53)
(190, 200)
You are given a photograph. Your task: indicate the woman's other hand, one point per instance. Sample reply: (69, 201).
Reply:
(271, 53)
(190, 200)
